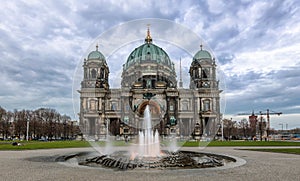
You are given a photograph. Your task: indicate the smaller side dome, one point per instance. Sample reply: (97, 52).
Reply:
(202, 54)
(96, 55)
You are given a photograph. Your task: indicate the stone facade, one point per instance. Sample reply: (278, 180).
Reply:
(149, 78)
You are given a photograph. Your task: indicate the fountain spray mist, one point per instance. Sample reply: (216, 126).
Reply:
(149, 145)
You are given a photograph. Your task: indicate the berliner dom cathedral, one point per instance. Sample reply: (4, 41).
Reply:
(149, 79)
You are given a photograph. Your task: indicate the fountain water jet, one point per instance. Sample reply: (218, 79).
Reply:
(149, 145)
(172, 147)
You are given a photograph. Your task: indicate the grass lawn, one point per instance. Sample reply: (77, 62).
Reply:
(278, 150)
(31, 145)
(242, 143)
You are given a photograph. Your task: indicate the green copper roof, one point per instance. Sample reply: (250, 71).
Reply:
(202, 54)
(96, 54)
(148, 52)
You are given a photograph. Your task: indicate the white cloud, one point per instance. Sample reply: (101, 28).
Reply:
(264, 61)
(216, 6)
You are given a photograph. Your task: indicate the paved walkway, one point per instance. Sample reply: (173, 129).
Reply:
(258, 166)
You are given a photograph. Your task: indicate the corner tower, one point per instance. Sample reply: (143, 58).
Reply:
(93, 95)
(206, 93)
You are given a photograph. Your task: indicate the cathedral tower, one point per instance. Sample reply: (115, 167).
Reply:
(206, 92)
(93, 95)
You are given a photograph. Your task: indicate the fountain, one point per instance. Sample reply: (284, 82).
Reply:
(149, 145)
(146, 154)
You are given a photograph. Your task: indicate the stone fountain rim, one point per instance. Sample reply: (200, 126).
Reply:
(63, 159)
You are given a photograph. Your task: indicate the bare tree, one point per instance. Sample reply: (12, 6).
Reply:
(43, 123)
(5, 123)
(229, 128)
(243, 125)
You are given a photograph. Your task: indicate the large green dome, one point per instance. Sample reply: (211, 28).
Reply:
(148, 52)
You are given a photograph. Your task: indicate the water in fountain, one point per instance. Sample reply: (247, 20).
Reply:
(108, 144)
(173, 147)
(108, 148)
(149, 145)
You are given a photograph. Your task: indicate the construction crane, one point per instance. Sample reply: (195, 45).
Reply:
(268, 113)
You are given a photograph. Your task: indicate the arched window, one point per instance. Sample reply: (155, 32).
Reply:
(205, 73)
(149, 83)
(92, 105)
(93, 72)
(113, 106)
(185, 106)
(206, 105)
(102, 73)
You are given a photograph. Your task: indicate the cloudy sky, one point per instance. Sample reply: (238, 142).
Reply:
(256, 44)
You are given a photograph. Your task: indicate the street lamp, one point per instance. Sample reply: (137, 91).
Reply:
(27, 126)
(27, 129)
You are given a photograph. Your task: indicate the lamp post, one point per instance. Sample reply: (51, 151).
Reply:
(27, 129)
(27, 126)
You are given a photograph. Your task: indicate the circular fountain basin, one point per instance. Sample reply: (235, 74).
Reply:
(123, 160)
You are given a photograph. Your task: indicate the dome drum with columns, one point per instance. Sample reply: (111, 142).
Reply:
(149, 78)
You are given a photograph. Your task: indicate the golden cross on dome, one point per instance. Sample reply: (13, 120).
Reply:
(148, 38)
